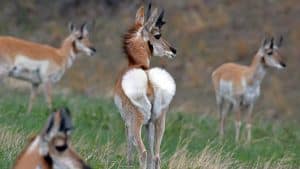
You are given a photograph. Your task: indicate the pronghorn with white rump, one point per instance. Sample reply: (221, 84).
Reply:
(51, 149)
(143, 94)
(238, 86)
(42, 64)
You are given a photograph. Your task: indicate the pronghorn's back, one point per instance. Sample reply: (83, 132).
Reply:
(12, 47)
(232, 73)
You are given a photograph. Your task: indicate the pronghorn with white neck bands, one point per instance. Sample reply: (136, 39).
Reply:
(42, 64)
(51, 149)
(143, 94)
(238, 86)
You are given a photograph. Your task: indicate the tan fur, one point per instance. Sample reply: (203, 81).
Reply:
(30, 160)
(138, 53)
(11, 47)
(53, 61)
(238, 85)
(41, 151)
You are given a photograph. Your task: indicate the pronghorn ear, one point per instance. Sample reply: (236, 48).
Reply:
(84, 30)
(140, 16)
(72, 27)
(152, 19)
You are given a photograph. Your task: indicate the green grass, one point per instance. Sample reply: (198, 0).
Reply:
(189, 138)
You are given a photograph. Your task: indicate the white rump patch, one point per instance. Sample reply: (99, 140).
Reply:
(134, 85)
(164, 89)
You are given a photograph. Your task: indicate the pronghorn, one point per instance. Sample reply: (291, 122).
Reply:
(143, 94)
(237, 86)
(51, 149)
(42, 64)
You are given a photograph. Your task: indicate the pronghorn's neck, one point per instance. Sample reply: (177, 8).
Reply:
(257, 69)
(68, 51)
(136, 49)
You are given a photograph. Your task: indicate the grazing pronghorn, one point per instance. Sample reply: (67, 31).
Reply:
(51, 149)
(143, 94)
(238, 86)
(41, 64)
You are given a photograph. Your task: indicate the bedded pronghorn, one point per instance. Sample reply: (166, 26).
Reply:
(41, 64)
(143, 94)
(238, 86)
(51, 149)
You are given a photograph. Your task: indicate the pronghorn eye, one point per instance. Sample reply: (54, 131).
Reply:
(270, 53)
(61, 148)
(157, 36)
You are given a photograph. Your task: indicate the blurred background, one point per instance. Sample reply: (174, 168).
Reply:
(206, 34)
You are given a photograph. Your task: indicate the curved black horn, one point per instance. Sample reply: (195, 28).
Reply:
(82, 26)
(272, 43)
(160, 22)
(148, 11)
(280, 41)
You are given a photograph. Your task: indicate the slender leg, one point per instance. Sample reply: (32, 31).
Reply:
(249, 122)
(129, 145)
(237, 122)
(34, 88)
(47, 92)
(137, 134)
(220, 104)
(226, 107)
(159, 132)
(151, 136)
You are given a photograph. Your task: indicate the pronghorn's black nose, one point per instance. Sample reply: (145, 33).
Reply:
(93, 49)
(86, 167)
(173, 50)
(282, 64)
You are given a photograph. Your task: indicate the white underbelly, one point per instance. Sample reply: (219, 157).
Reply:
(24, 62)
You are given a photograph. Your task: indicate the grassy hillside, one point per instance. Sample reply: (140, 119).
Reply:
(190, 140)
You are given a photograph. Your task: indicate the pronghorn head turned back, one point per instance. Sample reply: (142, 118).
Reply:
(80, 38)
(151, 33)
(270, 54)
(52, 149)
(145, 39)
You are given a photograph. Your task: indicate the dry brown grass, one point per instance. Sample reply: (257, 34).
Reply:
(207, 159)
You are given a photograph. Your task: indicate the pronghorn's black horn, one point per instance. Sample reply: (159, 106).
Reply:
(272, 43)
(160, 22)
(148, 11)
(83, 26)
(280, 41)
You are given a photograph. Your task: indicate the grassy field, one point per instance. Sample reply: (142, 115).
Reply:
(190, 140)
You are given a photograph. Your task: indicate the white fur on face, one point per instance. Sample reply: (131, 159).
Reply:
(272, 62)
(134, 85)
(80, 46)
(160, 51)
(64, 163)
(164, 89)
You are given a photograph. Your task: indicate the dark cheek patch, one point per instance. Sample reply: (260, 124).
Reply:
(150, 47)
(263, 61)
(74, 47)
